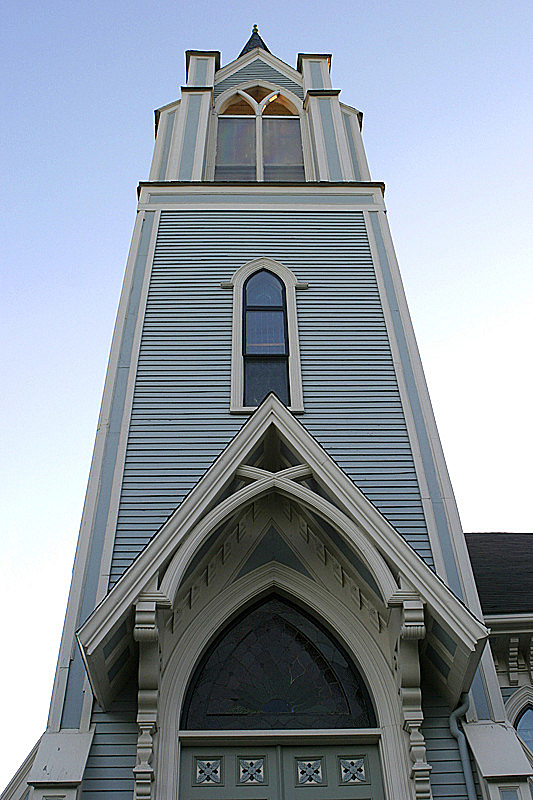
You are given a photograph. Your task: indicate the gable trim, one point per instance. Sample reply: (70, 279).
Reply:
(361, 524)
(258, 55)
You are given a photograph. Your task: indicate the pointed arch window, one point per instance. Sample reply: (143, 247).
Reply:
(259, 138)
(265, 339)
(265, 346)
(276, 667)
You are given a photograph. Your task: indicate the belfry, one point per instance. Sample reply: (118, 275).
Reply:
(272, 597)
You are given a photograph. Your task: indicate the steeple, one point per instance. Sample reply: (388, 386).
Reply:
(253, 42)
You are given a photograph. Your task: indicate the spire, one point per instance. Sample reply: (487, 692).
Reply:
(253, 42)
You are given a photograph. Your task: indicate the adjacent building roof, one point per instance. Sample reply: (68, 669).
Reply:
(503, 569)
(253, 42)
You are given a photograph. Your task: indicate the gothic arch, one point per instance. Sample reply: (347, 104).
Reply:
(307, 678)
(222, 101)
(291, 284)
(301, 495)
(518, 702)
(291, 98)
(360, 645)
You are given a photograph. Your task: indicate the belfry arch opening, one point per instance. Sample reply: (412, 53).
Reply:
(275, 666)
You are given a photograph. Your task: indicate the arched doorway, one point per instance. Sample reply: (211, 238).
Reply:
(280, 697)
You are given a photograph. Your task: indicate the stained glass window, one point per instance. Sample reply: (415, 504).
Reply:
(275, 667)
(265, 347)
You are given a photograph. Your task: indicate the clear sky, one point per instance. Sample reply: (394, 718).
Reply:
(445, 88)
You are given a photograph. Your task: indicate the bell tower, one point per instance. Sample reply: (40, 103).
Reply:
(271, 592)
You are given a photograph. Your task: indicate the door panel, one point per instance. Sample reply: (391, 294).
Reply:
(322, 772)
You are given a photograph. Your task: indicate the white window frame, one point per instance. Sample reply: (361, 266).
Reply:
(291, 284)
(225, 99)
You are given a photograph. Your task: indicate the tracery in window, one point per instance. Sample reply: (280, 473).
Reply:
(259, 138)
(524, 726)
(275, 667)
(265, 349)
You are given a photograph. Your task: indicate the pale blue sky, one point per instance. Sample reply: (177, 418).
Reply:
(446, 92)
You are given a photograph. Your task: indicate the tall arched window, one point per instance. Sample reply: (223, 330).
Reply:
(259, 138)
(265, 350)
(265, 339)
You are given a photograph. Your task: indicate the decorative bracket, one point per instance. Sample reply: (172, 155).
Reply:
(412, 630)
(147, 634)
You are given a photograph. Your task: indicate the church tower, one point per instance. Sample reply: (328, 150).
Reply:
(272, 597)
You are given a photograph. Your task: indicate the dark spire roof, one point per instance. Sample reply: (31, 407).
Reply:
(253, 42)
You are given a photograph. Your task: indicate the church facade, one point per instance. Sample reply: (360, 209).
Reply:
(272, 596)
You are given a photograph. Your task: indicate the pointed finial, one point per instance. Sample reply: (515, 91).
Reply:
(253, 42)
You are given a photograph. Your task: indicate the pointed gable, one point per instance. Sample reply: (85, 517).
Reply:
(258, 70)
(157, 574)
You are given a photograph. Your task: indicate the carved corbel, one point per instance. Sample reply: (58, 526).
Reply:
(413, 629)
(512, 659)
(147, 635)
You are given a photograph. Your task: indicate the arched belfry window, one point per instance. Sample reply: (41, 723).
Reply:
(265, 339)
(265, 342)
(275, 667)
(259, 138)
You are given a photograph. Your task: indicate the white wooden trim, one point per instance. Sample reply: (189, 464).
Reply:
(517, 702)
(261, 55)
(406, 406)
(353, 122)
(68, 642)
(315, 120)
(174, 153)
(458, 542)
(324, 71)
(201, 137)
(360, 644)
(291, 283)
(18, 785)
(226, 95)
(345, 158)
(220, 105)
(352, 504)
(160, 140)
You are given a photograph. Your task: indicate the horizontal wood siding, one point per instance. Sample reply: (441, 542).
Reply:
(258, 70)
(109, 771)
(447, 778)
(180, 419)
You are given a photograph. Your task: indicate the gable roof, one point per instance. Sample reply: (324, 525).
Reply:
(158, 571)
(503, 569)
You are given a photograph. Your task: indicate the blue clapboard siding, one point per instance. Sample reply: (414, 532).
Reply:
(258, 70)
(180, 418)
(447, 778)
(109, 771)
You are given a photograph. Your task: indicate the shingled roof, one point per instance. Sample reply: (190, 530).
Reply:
(253, 42)
(503, 569)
